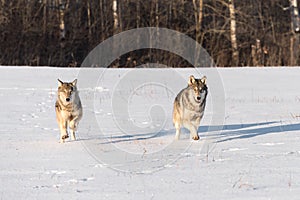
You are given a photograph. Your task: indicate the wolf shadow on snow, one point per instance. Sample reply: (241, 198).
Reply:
(221, 133)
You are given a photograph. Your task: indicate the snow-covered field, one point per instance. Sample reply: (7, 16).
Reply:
(126, 148)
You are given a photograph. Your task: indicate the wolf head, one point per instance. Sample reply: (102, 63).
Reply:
(66, 91)
(199, 88)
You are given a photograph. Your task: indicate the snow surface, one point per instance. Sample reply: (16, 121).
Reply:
(126, 148)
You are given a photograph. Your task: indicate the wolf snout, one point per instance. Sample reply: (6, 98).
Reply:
(198, 98)
(68, 99)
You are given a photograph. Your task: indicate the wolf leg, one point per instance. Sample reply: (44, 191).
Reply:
(193, 131)
(177, 126)
(73, 128)
(63, 131)
(192, 128)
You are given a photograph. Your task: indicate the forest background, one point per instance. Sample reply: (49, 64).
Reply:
(233, 32)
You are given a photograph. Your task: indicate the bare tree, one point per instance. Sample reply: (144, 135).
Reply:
(294, 46)
(115, 13)
(62, 6)
(234, 45)
(198, 13)
(89, 20)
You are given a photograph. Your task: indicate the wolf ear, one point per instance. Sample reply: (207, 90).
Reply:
(60, 83)
(203, 80)
(192, 80)
(74, 82)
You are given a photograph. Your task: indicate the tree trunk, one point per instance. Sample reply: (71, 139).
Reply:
(257, 54)
(62, 32)
(294, 45)
(62, 20)
(138, 14)
(156, 13)
(120, 16)
(198, 8)
(115, 30)
(169, 20)
(295, 16)
(89, 20)
(101, 20)
(235, 52)
(138, 22)
(45, 18)
(115, 14)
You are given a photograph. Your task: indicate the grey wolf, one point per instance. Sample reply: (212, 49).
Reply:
(68, 109)
(189, 106)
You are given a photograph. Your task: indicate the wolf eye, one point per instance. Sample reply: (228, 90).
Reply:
(71, 88)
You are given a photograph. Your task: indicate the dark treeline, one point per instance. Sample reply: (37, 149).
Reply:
(63, 32)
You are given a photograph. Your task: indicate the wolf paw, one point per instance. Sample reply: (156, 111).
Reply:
(196, 137)
(64, 137)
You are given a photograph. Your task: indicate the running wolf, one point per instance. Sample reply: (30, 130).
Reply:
(68, 109)
(189, 106)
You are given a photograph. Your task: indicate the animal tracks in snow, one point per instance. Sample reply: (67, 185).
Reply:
(270, 144)
(55, 172)
(61, 179)
(76, 181)
(234, 149)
